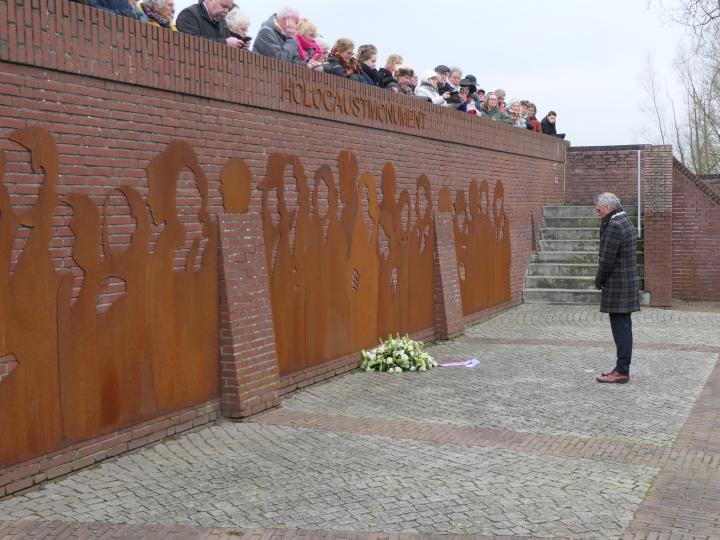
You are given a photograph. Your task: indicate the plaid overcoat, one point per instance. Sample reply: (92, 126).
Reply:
(617, 274)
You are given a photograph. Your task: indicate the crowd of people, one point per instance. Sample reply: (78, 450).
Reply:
(288, 36)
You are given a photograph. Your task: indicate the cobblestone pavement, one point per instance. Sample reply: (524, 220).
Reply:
(525, 445)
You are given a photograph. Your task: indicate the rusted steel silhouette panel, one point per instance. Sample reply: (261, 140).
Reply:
(82, 373)
(30, 417)
(482, 245)
(351, 270)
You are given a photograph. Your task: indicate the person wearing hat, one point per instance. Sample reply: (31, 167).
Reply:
(404, 76)
(466, 93)
(428, 88)
(443, 72)
(476, 99)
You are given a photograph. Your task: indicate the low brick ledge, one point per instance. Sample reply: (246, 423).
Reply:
(29, 474)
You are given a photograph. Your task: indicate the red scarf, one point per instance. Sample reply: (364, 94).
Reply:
(305, 45)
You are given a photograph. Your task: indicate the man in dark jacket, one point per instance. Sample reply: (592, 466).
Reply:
(276, 38)
(207, 19)
(548, 126)
(617, 276)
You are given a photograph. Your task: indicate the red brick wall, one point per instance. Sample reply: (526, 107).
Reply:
(657, 210)
(114, 92)
(696, 241)
(591, 170)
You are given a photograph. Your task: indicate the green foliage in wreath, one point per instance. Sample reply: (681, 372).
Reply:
(397, 354)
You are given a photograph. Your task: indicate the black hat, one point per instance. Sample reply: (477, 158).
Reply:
(442, 67)
(471, 78)
(467, 82)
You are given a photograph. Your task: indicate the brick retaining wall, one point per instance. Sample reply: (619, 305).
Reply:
(113, 93)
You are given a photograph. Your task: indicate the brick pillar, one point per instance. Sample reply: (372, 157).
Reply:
(657, 190)
(248, 358)
(449, 320)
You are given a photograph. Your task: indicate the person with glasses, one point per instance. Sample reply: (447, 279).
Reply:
(490, 110)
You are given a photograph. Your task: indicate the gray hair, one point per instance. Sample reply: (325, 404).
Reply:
(608, 199)
(286, 11)
(455, 69)
(156, 3)
(236, 17)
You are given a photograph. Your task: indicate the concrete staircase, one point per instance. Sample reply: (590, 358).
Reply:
(563, 271)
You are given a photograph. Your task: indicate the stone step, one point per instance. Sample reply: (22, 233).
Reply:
(569, 257)
(569, 296)
(573, 245)
(569, 234)
(577, 222)
(579, 211)
(564, 282)
(559, 269)
(569, 245)
(562, 269)
(572, 257)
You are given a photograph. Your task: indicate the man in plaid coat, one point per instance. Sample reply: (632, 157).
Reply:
(617, 276)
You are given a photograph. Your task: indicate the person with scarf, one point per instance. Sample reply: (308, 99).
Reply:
(367, 56)
(341, 61)
(617, 278)
(159, 13)
(386, 75)
(532, 122)
(308, 48)
(404, 76)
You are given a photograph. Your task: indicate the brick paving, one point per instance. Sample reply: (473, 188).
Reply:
(526, 445)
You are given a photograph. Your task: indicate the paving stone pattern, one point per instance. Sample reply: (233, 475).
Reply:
(526, 445)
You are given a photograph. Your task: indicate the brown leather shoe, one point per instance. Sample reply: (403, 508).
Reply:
(613, 378)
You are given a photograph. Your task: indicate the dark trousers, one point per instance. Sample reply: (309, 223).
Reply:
(621, 324)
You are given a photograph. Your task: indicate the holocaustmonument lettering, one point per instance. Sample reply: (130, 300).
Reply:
(349, 103)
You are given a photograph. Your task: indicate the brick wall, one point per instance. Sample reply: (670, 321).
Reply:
(679, 215)
(696, 241)
(593, 169)
(114, 92)
(657, 211)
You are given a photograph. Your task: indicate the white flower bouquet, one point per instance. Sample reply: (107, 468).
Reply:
(397, 354)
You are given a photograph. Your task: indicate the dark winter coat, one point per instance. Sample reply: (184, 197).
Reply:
(271, 42)
(334, 66)
(548, 128)
(370, 75)
(385, 78)
(617, 273)
(195, 20)
(119, 7)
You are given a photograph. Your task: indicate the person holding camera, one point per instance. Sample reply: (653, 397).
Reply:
(238, 23)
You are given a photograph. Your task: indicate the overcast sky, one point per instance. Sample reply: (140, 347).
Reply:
(581, 58)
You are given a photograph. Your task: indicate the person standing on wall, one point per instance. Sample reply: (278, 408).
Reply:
(617, 277)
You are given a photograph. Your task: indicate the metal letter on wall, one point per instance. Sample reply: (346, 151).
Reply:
(82, 373)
